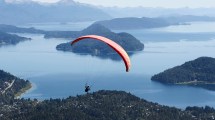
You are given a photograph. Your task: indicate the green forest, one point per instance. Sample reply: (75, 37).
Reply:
(98, 105)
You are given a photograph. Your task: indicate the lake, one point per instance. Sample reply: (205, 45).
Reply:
(56, 74)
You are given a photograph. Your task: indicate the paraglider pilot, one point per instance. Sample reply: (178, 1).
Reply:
(87, 88)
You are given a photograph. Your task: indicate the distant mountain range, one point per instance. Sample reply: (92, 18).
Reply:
(71, 11)
(63, 11)
(199, 72)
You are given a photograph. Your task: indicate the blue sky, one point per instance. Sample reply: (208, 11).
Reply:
(144, 3)
(153, 3)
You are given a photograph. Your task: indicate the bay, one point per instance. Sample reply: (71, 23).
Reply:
(57, 74)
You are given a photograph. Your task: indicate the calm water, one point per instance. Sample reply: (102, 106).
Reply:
(56, 74)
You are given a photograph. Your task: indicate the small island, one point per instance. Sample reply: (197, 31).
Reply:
(11, 39)
(199, 72)
(87, 47)
(99, 49)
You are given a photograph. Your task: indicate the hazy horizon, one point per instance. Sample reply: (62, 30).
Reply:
(136, 3)
(152, 3)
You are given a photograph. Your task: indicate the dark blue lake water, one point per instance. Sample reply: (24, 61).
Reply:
(57, 74)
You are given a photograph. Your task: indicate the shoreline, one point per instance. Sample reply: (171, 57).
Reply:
(195, 82)
(23, 90)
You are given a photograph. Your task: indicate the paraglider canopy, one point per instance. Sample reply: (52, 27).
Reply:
(112, 44)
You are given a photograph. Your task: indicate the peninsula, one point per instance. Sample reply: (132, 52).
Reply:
(156, 22)
(11, 86)
(11, 39)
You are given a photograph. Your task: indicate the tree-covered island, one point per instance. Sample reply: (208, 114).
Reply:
(199, 72)
(97, 48)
